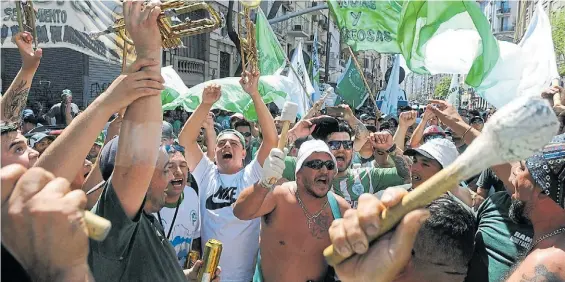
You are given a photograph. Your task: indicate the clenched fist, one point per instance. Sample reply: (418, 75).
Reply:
(211, 94)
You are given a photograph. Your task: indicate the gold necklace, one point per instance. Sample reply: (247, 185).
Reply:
(310, 218)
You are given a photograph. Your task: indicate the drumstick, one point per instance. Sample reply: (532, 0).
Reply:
(506, 137)
(97, 226)
(288, 115)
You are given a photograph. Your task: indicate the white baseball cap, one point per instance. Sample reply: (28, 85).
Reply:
(308, 148)
(440, 149)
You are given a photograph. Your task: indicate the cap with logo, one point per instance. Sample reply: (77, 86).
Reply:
(441, 150)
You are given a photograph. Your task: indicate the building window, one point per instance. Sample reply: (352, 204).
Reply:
(224, 64)
(195, 45)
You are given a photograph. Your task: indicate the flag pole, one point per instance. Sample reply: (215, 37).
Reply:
(362, 76)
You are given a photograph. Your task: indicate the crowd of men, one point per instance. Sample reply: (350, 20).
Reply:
(170, 182)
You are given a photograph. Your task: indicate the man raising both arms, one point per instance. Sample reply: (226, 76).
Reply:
(296, 215)
(221, 184)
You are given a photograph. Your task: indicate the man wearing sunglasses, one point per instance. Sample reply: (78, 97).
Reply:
(244, 128)
(296, 215)
(477, 123)
(350, 183)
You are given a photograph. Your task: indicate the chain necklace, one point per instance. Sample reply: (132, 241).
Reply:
(310, 218)
(548, 235)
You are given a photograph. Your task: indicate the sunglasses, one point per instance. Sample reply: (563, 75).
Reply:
(174, 148)
(335, 145)
(433, 136)
(318, 164)
(246, 134)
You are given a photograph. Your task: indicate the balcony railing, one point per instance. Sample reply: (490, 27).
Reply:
(189, 65)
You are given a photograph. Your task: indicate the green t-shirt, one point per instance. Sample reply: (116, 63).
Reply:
(135, 250)
(498, 242)
(356, 182)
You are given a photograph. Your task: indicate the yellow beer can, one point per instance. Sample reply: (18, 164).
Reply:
(210, 259)
(193, 256)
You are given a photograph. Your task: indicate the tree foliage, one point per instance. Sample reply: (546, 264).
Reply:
(442, 88)
(558, 34)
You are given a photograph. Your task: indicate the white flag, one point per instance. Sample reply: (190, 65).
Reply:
(453, 96)
(524, 69)
(392, 93)
(297, 63)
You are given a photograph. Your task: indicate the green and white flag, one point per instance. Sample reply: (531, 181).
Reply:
(315, 64)
(303, 99)
(273, 88)
(270, 54)
(447, 37)
(433, 36)
(350, 86)
(368, 25)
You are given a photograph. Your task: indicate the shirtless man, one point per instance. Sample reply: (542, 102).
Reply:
(296, 215)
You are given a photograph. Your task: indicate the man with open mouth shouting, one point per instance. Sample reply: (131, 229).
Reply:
(220, 184)
(350, 182)
(180, 217)
(306, 205)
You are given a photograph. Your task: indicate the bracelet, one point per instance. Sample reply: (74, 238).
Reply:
(463, 136)
(391, 149)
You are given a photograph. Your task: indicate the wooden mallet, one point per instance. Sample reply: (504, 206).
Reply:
(97, 226)
(288, 116)
(515, 132)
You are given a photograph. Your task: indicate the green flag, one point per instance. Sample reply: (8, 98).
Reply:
(350, 86)
(368, 25)
(273, 88)
(269, 50)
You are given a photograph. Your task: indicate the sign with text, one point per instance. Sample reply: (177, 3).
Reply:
(368, 25)
(66, 24)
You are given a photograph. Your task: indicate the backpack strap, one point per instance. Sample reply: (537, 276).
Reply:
(334, 205)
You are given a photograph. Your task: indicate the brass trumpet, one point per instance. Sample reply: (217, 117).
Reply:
(248, 44)
(26, 18)
(171, 33)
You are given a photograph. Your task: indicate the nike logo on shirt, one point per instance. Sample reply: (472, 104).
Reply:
(224, 197)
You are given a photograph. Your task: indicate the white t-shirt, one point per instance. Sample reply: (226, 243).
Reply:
(240, 239)
(187, 223)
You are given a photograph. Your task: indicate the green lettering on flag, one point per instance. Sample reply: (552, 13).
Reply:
(270, 54)
(368, 25)
(350, 86)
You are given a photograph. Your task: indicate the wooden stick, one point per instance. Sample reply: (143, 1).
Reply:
(125, 57)
(362, 76)
(97, 226)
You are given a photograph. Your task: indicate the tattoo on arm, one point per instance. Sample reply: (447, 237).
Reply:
(15, 102)
(402, 166)
(542, 274)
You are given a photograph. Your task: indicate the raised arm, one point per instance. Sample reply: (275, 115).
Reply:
(140, 134)
(359, 129)
(65, 156)
(418, 133)
(210, 137)
(405, 120)
(191, 129)
(15, 99)
(383, 142)
(250, 83)
(260, 199)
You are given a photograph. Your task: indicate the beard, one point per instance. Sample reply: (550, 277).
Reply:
(517, 212)
(308, 187)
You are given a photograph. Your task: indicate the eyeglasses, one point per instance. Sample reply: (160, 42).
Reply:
(433, 136)
(318, 164)
(246, 134)
(335, 145)
(174, 148)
